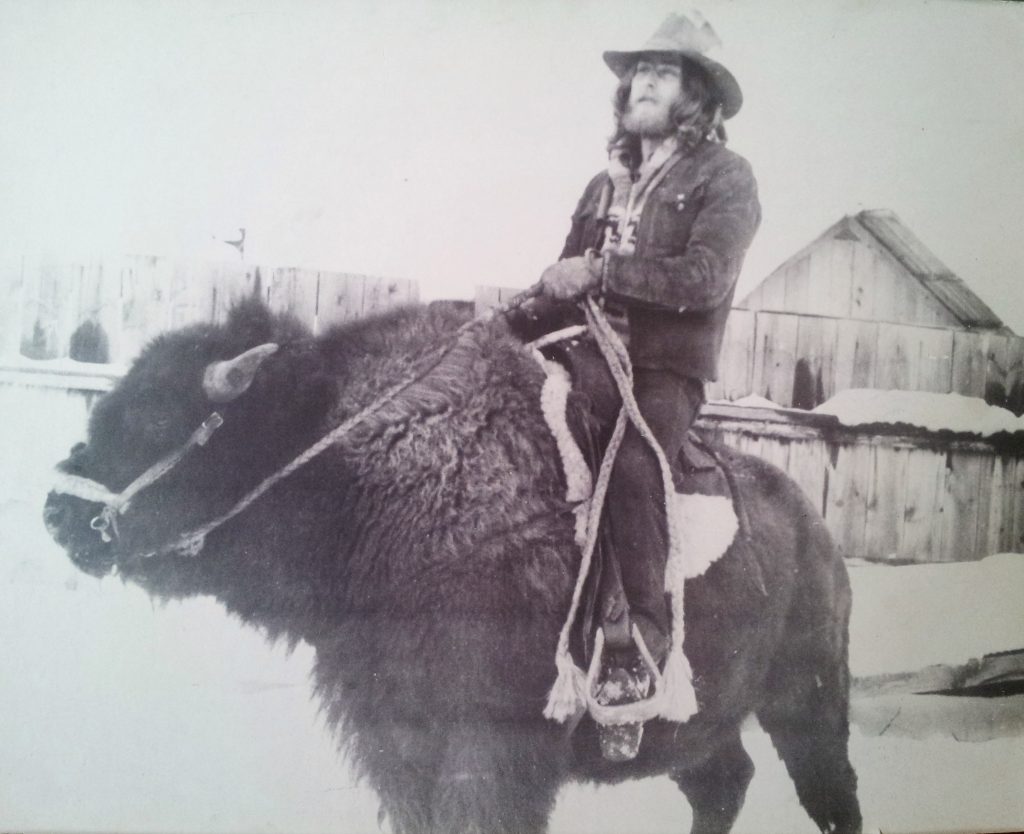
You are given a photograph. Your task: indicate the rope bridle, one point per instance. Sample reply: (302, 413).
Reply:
(191, 543)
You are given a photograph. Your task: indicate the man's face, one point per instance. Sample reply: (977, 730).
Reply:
(657, 85)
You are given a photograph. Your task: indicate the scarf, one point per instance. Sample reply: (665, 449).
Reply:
(630, 192)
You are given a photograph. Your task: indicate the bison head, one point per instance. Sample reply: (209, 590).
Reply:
(153, 467)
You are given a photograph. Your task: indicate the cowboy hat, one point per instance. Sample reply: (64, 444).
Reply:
(692, 39)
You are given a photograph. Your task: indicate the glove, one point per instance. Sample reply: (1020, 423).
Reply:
(571, 277)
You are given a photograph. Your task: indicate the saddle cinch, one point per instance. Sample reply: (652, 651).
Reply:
(604, 624)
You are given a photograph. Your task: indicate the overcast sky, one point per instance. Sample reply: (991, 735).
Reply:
(448, 141)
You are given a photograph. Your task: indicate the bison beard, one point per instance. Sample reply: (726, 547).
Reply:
(429, 560)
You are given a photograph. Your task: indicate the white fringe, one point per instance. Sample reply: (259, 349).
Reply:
(701, 529)
(554, 398)
(567, 698)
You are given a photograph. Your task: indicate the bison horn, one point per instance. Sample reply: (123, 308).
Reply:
(227, 380)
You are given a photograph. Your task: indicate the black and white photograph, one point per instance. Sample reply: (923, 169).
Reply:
(478, 417)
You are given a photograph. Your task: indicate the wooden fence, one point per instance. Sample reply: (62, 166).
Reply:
(111, 307)
(887, 493)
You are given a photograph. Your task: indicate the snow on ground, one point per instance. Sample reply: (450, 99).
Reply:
(911, 616)
(928, 410)
(119, 715)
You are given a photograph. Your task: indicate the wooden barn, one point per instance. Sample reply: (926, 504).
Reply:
(866, 305)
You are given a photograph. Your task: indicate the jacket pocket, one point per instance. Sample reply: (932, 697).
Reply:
(672, 213)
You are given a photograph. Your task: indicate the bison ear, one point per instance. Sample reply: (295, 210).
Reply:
(228, 380)
(250, 322)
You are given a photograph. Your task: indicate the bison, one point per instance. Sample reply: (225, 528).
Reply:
(428, 556)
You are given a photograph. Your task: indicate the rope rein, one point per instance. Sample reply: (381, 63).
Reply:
(191, 543)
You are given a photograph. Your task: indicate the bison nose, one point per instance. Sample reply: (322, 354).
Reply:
(53, 515)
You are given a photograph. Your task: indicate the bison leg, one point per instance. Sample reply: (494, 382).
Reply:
(814, 750)
(715, 789)
(496, 778)
(807, 713)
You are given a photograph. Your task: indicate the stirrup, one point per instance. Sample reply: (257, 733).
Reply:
(633, 712)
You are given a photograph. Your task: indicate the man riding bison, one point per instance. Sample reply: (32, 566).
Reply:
(397, 492)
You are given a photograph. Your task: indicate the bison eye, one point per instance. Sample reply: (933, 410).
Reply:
(154, 420)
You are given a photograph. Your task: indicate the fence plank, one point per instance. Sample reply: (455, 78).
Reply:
(191, 294)
(884, 514)
(145, 301)
(776, 451)
(44, 303)
(374, 294)
(808, 463)
(341, 298)
(959, 511)
(1016, 543)
(921, 532)
(846, 510)
(1001, 488)
(232, 282)
(294, 291)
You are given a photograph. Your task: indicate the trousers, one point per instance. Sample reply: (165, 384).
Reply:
(635, 502)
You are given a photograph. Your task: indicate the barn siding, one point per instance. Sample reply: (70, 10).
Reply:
(847, 273)
(857, 353)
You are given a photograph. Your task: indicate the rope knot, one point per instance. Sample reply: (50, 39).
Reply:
(106, 523)
(192, 546)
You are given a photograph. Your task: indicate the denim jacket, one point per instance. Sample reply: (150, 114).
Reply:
(678, 285)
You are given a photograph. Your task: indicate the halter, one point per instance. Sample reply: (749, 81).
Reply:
(117, 503)
(191, 543)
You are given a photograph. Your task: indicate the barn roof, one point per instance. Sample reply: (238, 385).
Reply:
(950, 290)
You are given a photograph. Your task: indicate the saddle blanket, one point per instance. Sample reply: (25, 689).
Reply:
(702, 505)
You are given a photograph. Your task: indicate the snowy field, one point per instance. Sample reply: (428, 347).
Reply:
(118, 715)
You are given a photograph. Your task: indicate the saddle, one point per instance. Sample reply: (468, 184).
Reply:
(593, 406)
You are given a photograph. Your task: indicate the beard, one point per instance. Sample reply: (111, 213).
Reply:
(647, 121)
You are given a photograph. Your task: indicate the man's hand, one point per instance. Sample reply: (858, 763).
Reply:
(571, 277)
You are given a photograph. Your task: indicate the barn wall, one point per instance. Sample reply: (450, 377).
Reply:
(848, 274)
(892, 497)
(801, 360)
(53, 310)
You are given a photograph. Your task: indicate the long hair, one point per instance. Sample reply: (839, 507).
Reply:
(696, 115)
